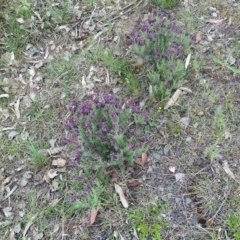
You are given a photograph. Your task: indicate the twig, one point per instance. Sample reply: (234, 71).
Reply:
(122, 10)
(211, 219)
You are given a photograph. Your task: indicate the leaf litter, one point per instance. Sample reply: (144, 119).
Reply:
(29, 85)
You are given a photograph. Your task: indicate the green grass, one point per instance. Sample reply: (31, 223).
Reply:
(165, 3)
(36, 157)
(143, 220)
(18, 29)
(122, 67)
(233, 224)
(63, 71)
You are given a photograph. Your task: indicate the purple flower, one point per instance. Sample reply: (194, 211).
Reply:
(151, 20)
(73, 198)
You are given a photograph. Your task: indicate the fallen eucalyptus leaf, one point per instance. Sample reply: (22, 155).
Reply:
(54, 186)
(59, 162)
(227, 135)
(133, 183)
(56, 150)
(187, 60)
(143, 160)
(172, 101)
(28, 225)
(228, 170)
(16, 108)
(186, 89)
(52, 173)
(229, 22)
(7, 211)
(198, 37)
(12, 235)
(93, 216)
(119, 191)
(215, 21)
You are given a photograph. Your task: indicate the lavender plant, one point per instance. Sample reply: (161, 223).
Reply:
(163, 44)
(102, 133)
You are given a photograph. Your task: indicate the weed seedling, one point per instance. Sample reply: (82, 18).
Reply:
(212, 151)
(37, 158)
(225, 64)
(233, 223)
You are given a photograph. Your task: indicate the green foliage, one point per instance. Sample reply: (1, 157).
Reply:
(19, 24)
(144, 221)
(212, 151)
(233, 223)
(36, 157)
(219, 121)
(120, 66)
(225, 64)
(173, 127)
(165, 3)
(163, 45)
(101, 134)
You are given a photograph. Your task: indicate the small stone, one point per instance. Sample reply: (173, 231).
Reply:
(156, 155)
(7, 211)
(150, 169)
(201, 113)
(178, 200)
(166, 151)
(188, 201)
(33, 51)
(214, 14)
(188, 139)
(21, 213)
(194, 220)
(212, 9)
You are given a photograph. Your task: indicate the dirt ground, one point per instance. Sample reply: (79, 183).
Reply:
(189, 186)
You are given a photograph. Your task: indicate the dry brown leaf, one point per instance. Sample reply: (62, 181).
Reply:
(172, 101)
(198, 37)
(16, 108)
(119, 191)
(59, 162)
(52, 173)
(186, 89)
(29, 224)
(143, 160)
(46, 178)
(20, 20)
(93, 216)
(133, 183)
(229, 22)
(172, 169)
(227, 135)
(228, 170)
(187, 60)
(215, 21)
(56, 150)
(55, 186)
